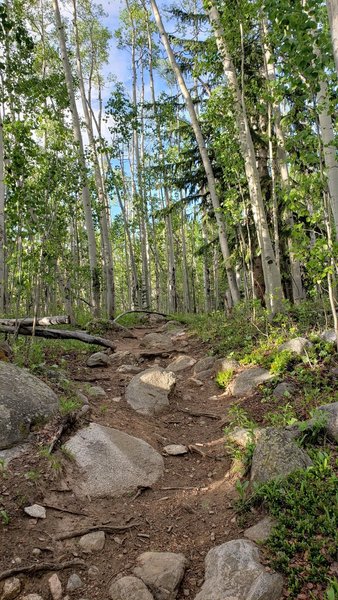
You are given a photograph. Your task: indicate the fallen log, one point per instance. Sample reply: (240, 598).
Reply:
(59, 334)
(43, 321)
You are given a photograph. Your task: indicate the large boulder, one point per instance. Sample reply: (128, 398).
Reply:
(148, 392)
(233, 572)
(297, 345)
(276, 455)
(246, 381)
(24, 400)
(157, 341)
(162, 572)
(113, 462)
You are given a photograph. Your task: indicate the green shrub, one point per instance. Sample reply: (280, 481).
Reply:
(223, 378)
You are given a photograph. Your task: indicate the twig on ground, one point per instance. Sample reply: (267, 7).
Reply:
(36, 568)
(85, 530)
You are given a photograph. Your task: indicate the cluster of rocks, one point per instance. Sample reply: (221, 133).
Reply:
(13, 587)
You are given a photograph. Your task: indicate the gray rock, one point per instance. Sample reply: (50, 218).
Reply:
(162, 572)
(329, 336)
(82, 398)
(133, 369)
(11, 589)
(225, 364)
(55, 587)
(331, 425)
(122, 357)
(96, 391)
(24, 400)
(276, 455)
(36, 511)
(157, 341)
(92, 542)
(148, 392)
(113, 462)
(233, 572)
(10, 453)
(204, 364)
(297, 345)
(181, 363)
(129, 588)
(74, 583)
(98, 359)
(32, 597)
(204, 375)
(93, 572)
(261, 531)
(284, 389)
(242, 437)
(175, 449)
(248, 380)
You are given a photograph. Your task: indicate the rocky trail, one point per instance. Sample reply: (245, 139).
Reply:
(142, 472)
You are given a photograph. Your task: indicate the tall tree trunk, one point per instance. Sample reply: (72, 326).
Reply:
(298, 292)
(2, 221)
(272, 276)
(94, 271)
(100, 187)
(332, 9)
(204, 156)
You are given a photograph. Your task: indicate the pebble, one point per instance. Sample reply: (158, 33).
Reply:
(93, 572)
(186, 593)
(117, 399)
(74, 582)
(11, 589)
(213, 536)
(32, 597)
(55, 587)
(36, 552)
(36, 511)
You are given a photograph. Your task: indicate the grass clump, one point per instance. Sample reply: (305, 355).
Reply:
(68, 405)
(305, 506)
(223, 378)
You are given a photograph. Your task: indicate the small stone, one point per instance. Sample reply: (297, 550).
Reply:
(181, 363)
(204, 364)
(212, 536)
(98, 359)
(96, 391)
(175, 449)
(92, 542)
(17, 560)
(117, 399)
(93, 572)
(133, 369)
(11, 589)
(84, 409)
(196, 382)
(55, 587)
(32, 597)
(36, 552)
(261, 531)
(82, 398)
(74, 583)
(36, 511)
(284, 389)
(186, 593)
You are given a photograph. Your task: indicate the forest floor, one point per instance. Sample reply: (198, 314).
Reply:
(190, 509)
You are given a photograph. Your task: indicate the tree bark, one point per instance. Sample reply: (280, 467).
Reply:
(44, 321)
(2, 221)
(332, 9)
(204, 156)
(272, 276)
(86, 201)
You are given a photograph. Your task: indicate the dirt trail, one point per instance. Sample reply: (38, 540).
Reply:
(189, 510)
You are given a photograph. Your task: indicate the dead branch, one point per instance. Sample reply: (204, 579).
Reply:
(147, 312)
(30, 321)
(65, 510)
(62, 334)
(105, 528)
(36, 568)
(195, 413)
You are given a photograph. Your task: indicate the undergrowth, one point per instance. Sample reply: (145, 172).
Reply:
(305, 506)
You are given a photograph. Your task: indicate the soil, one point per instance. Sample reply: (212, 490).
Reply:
(189, 510)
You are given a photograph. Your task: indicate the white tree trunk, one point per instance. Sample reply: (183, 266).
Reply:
(2, 220)
(95, 282)
(99, 181)
(272, 277)
(204, 155)
(332, 9)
